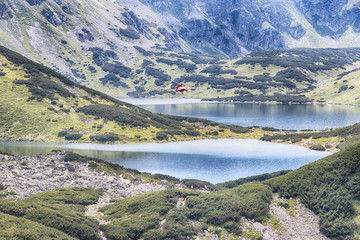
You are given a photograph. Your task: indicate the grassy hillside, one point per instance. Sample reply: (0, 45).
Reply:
(39, 104)
(59, 214)
(296, 76)
(329, 187)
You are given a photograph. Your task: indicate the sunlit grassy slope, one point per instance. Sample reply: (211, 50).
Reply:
(292, 76)
(40, 104)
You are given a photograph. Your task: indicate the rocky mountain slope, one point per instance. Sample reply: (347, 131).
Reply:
(103, 44)
(224, 28)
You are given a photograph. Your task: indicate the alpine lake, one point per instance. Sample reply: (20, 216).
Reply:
(213, 160)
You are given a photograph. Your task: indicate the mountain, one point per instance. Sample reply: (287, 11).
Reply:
(236, 27)
(39, 104)
(229, 28)
(104, 44)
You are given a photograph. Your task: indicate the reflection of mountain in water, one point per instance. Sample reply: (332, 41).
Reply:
(281, 116)
(212, 160)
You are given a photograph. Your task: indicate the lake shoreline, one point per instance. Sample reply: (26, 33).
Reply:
(199, 100)
(236, 158)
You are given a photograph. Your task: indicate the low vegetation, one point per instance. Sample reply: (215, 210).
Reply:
(140, 216)
(339, 138)
(58, 213)
(328, 187)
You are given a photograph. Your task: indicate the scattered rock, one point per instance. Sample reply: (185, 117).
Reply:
(48, 172)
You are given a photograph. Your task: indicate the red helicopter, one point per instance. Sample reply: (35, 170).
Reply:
(180, 88)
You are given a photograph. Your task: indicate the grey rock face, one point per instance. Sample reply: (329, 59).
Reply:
(331, 17)
(235, 27)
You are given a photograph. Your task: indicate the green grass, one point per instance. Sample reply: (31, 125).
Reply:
(52, 212)
(14, 228)
(140, 216)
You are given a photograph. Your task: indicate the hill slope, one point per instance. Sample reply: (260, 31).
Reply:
(40, 104)
(330, 188)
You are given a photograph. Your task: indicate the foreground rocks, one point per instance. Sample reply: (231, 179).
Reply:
(28, 175)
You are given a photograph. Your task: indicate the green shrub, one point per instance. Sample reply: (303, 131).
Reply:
(43, 86)
(328, 187)
(189, 67)
(258, 178)
(197, 183)
(62, 133)
(129, 32)
(12, 227)
(222, 208)
(110, 137)
(160, 76)
(166, 177)
(73, 136)
(117, 114)
(318, 147)
(47, 208)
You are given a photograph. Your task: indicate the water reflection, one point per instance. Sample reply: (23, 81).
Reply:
(269, 115)
(211, 160)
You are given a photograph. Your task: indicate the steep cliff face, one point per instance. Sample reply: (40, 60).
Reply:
(331, 17)
(236, 27)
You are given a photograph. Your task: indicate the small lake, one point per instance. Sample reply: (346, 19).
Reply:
(281, 116)
(211, 160)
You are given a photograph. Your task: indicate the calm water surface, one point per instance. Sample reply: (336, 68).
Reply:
(282, 116)
(211, 160)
